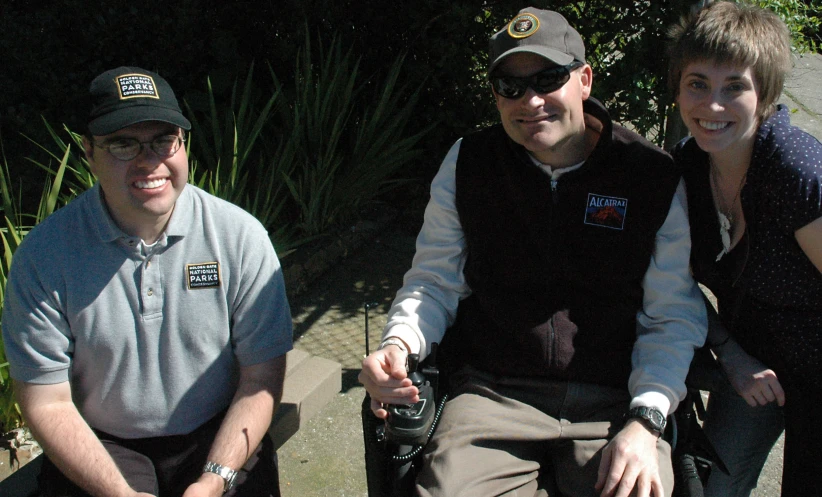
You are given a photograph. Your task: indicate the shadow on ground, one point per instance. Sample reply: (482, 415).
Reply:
(326, 458)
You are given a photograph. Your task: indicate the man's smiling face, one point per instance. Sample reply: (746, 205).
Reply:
(140, 193)
(549, 125)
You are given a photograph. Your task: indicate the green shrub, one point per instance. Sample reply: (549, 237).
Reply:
(230, 154)
(16, 224)
(346, 136)
(445, 43)
(317, 147)
(802, 18)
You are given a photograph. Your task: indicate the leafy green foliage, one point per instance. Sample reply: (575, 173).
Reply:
(625, 43)
(802, 18)
(348, 133)
(307, 154)
(230, 153)
(15, 227)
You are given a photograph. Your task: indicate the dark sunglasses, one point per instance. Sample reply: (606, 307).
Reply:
(546, 81)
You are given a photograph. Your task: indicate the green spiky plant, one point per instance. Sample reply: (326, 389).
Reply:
(231, 150)
(16, 225)
(348, 137)
(316, 149)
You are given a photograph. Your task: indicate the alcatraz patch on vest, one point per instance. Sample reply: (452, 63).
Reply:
(136, 85)
(608, 212)
(203, 275)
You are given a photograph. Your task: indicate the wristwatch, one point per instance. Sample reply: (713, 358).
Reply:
(223, 472)
(394, 341)
(653, 418)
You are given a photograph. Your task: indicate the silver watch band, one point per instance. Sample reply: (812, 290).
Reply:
(394, 341)
(223, 472)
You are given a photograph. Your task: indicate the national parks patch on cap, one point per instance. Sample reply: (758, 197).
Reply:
(137, 85)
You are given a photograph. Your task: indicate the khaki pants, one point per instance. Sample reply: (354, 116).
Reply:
(524, 437)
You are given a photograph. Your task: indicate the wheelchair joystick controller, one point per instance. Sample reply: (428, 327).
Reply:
(409, 424)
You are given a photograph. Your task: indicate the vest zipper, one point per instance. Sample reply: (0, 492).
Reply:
(552, 361)
(554, 192)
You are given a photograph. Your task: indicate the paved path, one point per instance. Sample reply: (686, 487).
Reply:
(326, 457)
(803, 94)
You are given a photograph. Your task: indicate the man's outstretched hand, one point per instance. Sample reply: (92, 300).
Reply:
(386, 380)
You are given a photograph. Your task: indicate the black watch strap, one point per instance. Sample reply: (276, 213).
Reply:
(653, 418)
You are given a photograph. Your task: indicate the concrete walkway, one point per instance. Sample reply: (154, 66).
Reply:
(326, 457)
(803, 94)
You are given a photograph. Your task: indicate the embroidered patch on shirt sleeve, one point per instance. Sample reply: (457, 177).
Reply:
(203, 275)
(608, 212)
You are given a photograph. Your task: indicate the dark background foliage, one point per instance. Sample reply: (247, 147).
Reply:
(50, 50)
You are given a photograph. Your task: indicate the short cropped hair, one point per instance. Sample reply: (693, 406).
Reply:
(737, 34)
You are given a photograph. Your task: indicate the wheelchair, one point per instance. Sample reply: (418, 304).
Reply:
(393, 450)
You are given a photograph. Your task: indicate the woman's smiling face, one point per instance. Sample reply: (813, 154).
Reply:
(720, 105)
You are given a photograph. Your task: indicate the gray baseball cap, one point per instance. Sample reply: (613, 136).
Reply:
(542, 32)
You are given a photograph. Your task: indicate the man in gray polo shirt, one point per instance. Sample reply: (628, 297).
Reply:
(146, 323)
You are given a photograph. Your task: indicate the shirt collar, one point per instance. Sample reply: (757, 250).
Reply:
(555, 173)
(183, 216)
(98, 212)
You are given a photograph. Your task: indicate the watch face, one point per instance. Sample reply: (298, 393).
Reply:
(657, 419)
(653, 417)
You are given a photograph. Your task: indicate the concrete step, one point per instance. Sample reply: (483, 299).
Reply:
(311, 382)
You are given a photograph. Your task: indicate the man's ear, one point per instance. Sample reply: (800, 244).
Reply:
(586, 78)
(88, 148)
(494, 93)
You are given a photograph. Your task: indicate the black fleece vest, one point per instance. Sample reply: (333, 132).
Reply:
(556, 273)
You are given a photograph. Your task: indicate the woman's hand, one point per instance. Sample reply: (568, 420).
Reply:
(751, 379)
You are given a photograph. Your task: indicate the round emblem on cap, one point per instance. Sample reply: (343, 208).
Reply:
(523, 26)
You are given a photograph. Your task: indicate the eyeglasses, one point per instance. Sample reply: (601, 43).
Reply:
(547, 81)
(128, 148)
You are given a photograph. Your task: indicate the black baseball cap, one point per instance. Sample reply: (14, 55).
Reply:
(542, 32)
(129, 95)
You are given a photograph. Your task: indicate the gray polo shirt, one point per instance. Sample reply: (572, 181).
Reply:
(150, 337)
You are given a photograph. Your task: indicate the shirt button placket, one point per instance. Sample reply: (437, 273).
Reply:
(152, 286)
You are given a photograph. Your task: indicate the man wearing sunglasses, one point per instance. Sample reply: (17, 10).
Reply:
(146, 322)
(555, 253)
